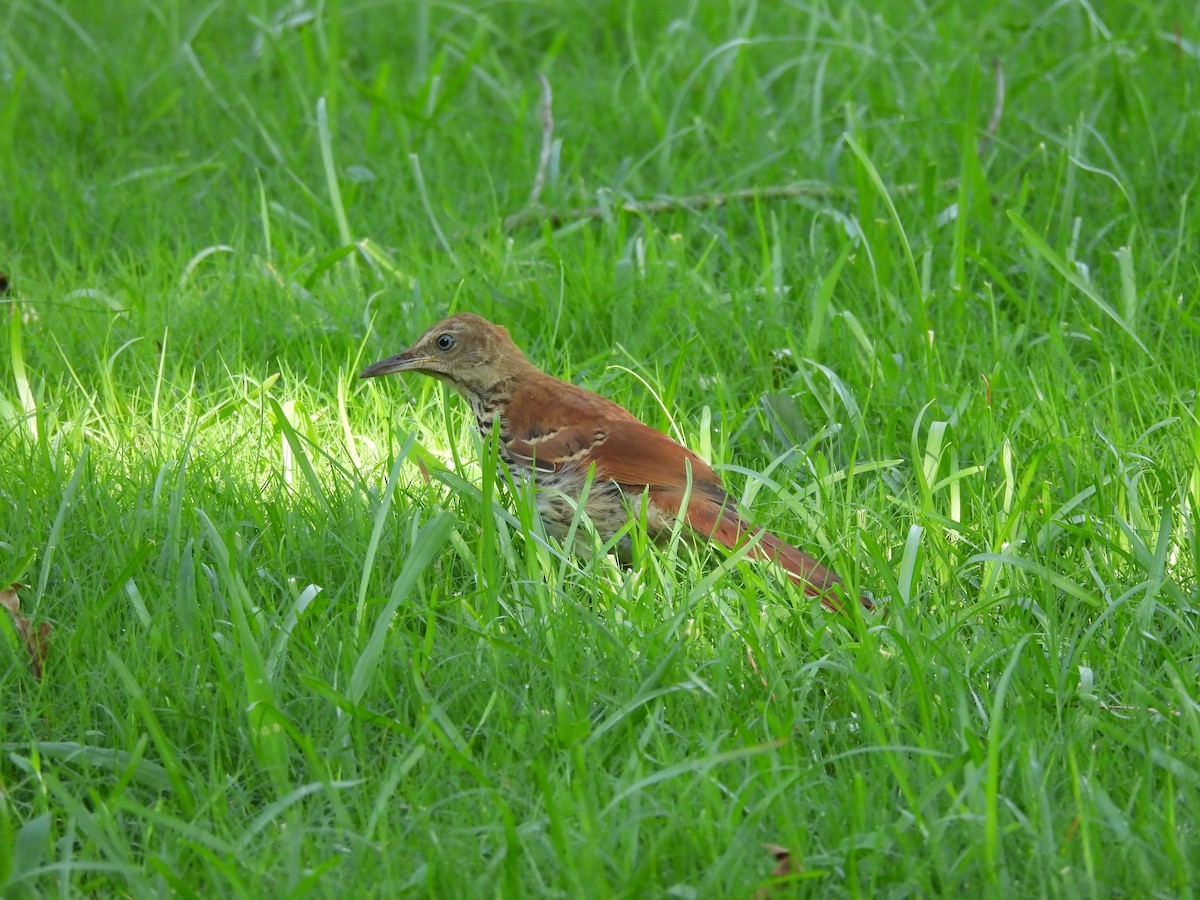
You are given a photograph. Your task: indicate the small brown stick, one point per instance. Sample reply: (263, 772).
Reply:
(997, 109)
(651, 207)
(694, 202)
(533, 211)
(543, 166)
(1116, 709)
(754, 665)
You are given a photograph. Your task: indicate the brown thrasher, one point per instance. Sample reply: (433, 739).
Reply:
(553, 434)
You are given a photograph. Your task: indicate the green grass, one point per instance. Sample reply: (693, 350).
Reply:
(285, 663)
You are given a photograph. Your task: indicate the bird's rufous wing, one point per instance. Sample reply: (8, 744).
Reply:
(564, 425)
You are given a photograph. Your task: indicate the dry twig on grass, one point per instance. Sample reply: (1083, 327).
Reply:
(543, 166)
(997, 110)
(535, 213)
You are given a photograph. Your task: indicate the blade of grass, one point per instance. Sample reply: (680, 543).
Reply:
(60, 518)
(267, 736)
(19, 373)
(1060, 265)
(180, 778)
(385, 503)
(424, 550)
(331, 185)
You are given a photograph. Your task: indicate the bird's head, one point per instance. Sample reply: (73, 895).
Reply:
(465, 350)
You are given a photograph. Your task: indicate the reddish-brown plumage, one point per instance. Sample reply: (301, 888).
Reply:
(554, 433)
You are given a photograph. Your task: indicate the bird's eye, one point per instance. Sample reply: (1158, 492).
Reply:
(445, 342)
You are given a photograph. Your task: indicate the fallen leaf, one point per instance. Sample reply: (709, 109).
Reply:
(36, 641)
(783, 868)
(783, 860)
(1072, 827)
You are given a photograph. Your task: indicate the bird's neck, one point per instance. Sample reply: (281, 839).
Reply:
(489, 396)
(489, 406)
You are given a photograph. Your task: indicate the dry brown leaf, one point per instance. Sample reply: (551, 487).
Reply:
(36, 641)
(1072, 827)
(783, 868)
(424, 472)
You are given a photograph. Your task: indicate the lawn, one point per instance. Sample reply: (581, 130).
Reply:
(920, 281)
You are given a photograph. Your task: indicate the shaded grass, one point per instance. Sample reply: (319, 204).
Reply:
(284, 661)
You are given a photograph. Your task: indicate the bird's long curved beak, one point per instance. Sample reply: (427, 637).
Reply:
(401, 362)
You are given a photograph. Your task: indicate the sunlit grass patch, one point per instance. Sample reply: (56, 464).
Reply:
(919, 282)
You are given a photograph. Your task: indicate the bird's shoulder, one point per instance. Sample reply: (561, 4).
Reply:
(553, 424)
(543, 401)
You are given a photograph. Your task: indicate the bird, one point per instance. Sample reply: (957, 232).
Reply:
(558, 437)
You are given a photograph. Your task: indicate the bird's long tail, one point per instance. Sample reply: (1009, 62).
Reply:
(723, 525)
(815, 579)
